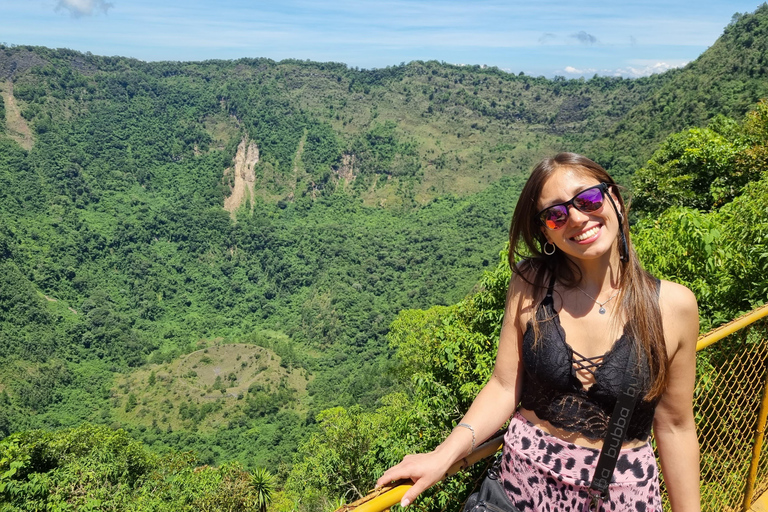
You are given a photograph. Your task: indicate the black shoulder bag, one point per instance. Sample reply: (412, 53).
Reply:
(493, 498)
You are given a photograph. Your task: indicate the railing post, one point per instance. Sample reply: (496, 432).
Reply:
(756, 448)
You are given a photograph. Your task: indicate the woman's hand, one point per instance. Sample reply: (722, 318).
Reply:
(423, 469)
(492, 407)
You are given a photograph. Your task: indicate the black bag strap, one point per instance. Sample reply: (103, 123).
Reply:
(617, 431)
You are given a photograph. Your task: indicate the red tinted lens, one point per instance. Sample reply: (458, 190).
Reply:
(555, 217)
(589, 200)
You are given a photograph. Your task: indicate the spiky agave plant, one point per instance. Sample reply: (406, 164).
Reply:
(263, 483)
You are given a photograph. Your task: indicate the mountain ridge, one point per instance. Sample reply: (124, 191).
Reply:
(378, 191)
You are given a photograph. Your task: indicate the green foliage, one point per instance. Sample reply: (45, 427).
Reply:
(695, 169)
(142, 272)
(42, 470)
(39, 387)
(115, 250)
(445, 356)
(381, 151)
(720, 253)
(351, 447)
(264, 487)
(95, 468)
(305, 116)
(131, 403)
(322, 150)
(704, 168)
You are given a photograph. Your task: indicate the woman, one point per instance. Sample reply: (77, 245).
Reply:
(581, 313)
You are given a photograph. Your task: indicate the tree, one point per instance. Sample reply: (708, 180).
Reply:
(131, 402)
(695, 168)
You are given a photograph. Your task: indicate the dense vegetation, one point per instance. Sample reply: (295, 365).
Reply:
(96, 468)
(445, 354)
(122, 278)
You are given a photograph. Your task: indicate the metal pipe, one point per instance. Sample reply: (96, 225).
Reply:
(757, 448)
(388, 496)
(731, 327)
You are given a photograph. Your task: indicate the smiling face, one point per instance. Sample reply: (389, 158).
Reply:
(584, 236)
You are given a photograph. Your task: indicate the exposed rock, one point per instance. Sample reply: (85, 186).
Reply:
(347, 170)
(245, 161)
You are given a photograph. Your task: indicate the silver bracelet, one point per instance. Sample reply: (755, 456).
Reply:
(467, 425)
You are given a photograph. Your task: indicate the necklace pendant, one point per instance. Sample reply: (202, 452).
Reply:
(601, 310)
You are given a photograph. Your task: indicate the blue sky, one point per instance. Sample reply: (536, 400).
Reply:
(539, 37)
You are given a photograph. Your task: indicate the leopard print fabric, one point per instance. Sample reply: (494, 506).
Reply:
(542, 473)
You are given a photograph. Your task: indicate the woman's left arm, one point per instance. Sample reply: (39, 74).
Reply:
(674, 427)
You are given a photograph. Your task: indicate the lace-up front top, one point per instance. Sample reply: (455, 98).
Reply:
(552, 389)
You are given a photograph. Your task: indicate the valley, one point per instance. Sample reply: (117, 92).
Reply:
(272, 264)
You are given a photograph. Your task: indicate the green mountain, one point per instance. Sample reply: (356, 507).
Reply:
(726, 79)
(153, 211)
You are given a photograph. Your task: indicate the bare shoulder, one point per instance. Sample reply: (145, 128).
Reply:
(677, 300)
(521, 295)
(679, 314)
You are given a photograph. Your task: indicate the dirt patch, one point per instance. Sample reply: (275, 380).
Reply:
(346, 172)
(235, 366)
(246, 158)
(220, 376)
(15, 125)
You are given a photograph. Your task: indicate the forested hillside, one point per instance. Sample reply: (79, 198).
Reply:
(209, 254)
(724, 80)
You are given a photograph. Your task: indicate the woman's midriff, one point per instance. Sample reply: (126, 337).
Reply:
(571, 437)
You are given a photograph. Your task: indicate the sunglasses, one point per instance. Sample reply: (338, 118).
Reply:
(588, 200)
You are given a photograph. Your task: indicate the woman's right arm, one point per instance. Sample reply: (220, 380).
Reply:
(492, 407)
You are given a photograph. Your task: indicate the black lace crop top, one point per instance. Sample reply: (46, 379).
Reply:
(552, 390)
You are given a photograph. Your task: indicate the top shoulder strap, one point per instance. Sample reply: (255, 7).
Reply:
(551, 287)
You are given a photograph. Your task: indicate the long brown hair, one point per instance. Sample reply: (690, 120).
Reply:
(638, 297)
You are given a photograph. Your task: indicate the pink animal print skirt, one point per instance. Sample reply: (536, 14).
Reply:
(542, 473)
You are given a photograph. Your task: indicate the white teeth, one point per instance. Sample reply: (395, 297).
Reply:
(592, 232)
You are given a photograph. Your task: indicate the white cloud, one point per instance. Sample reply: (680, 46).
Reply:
(570, 70)
(644, 69)
(648, 69)
(78, 8)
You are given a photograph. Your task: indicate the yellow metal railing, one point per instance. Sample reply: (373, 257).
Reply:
(387, 496)
(730, 404)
